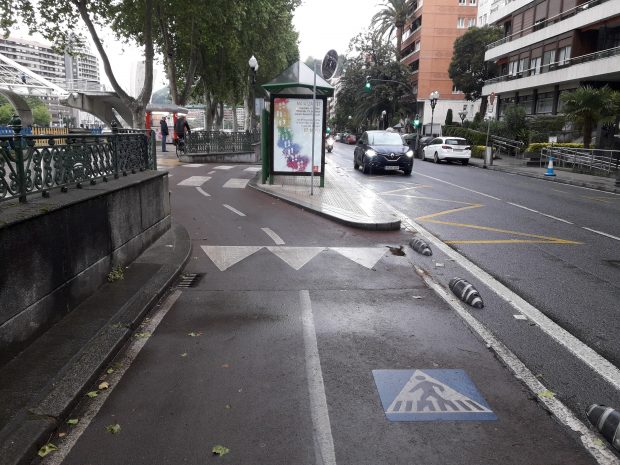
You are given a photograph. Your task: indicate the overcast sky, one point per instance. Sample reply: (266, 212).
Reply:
(331, 24)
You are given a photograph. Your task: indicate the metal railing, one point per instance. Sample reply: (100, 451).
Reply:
(221, 142)
(37, 164)
(511, 147)
(556, 65)
(590, 160)
(546, 22)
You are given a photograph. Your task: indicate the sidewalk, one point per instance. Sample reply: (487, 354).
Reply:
(40, 386)
(511, 165)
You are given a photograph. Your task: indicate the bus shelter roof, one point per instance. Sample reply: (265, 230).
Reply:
(298, 79)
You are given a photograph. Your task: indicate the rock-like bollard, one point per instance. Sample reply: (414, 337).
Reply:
(466, 292)
(607, 421)
(421, 247)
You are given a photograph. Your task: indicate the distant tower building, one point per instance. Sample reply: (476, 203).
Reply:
(136, 78)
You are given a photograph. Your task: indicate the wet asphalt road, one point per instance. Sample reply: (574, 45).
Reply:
(245, 357)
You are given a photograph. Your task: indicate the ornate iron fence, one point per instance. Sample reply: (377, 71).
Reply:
(37, 164)
(221, 142)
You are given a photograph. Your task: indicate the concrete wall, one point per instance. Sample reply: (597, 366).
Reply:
(55, 252)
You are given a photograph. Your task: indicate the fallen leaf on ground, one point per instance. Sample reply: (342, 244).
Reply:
(598, 442)
(227, 407)
(417, 296)
(220, 450)
(104, 385)
(226, 365)
(439, 265)
(92, 394)
(193, 334)
(46, 449)
(110, 371)
(143, 335)
(546, 394)
(62, 435)
(73, 421)
(114, 429)
(184, 354)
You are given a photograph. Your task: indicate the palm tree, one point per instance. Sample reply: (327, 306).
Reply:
(587, 107)
(391, 19)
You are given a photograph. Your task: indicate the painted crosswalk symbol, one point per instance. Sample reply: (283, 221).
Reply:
(430, 395)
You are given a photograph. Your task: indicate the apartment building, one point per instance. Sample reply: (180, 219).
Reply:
(427, 47)
(550, 47)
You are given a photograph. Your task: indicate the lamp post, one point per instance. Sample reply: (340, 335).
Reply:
(462, 115)
(433, 98)
(383, 119)
(253, 64)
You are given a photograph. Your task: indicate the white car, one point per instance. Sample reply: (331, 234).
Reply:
(448, 148)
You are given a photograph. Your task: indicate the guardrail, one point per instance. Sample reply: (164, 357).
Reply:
(512, 147)
(221, 142)
(37, 164)
(592, 160)
(546, 22)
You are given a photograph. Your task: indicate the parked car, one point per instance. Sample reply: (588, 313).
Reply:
(448, 148)
(338, 137)
(343, 137)
(383, 150)
(422, 142)
(351, 139)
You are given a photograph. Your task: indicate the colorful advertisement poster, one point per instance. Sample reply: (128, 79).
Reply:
(292, 135)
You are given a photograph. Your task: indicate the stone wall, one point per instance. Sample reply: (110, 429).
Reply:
(56, 251)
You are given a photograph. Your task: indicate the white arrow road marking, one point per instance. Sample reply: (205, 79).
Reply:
(365, 256)
(254, 169)
(277, 239)
(194, 181)
(296, 257)
(192, 165)
(226, 256)
(206, 194)
(234, 210)
(223, 167)
(236, 183)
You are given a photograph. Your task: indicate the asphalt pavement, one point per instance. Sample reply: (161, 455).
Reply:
(295, 339)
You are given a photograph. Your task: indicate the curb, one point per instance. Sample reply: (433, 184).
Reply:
(27, 431)
(556, 179)
(352, 220)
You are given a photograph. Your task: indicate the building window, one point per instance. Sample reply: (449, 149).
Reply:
(547, 59)
(535, 66)
(564, 55)
(523, 65)
(513, 68)
(455, 90)
(462, 2)
(472, 2)
(416, 46)
(460, 23)
(471, 22)
(544, 103)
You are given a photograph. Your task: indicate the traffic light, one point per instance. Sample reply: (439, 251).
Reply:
(367, 86)
(416, 121)
(328, 130)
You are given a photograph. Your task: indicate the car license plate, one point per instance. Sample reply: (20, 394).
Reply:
(395, 168)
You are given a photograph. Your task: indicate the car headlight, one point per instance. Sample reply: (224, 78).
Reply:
(370, 153)
(409, 153)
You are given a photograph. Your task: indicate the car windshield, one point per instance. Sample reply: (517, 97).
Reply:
(455, 142)
(384, 138)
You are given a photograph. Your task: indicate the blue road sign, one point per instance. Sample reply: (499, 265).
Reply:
(430, 395)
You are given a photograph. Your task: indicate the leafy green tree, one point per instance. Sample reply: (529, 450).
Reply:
(6, 113)
(587, 107)
(41, 115)
(56, 21)
(467, 69)
(390, 21)
(373, 58)
(449, 117)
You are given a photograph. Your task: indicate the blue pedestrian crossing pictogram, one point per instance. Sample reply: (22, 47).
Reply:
(430, 395)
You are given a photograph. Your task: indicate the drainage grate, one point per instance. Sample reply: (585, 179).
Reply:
(190, 279)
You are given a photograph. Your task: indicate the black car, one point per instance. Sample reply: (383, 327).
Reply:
(384, 150)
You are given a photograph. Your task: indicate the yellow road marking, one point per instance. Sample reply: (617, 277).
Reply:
(536, 238)
(402, 189)
(429, 198)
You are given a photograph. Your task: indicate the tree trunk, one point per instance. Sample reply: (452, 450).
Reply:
(234, 118)
(247, 120)
(220, 116)
(587, 133)
(399, 41)
(483, 105)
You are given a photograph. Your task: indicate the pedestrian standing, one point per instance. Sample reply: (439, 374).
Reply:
(164, 133)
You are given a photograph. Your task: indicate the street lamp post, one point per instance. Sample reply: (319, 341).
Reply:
(433, 98)
(253, 64)
(383, 119)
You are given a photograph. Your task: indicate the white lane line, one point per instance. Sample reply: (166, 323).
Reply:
(194, 181)
(323, 439)
(556, 218)
(589, 439)
(520, 317)
(602, 233)
(236, 183)
(582, 351)
(277, 239)
(123, 362)
(224, 167)
(211, 172)
(457, 186)
(524, 208)
(253, 169)
(206, 194)
(234, 210)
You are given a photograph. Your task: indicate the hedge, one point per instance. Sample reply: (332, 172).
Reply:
(535, 148)
(473, 137)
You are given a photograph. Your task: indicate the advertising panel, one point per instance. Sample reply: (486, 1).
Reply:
(292, 135)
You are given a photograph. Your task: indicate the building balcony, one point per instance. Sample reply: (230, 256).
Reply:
(570, 20)
(410, 57)
(598, 66)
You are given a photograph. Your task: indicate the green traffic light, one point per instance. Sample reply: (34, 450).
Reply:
(367, 86)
